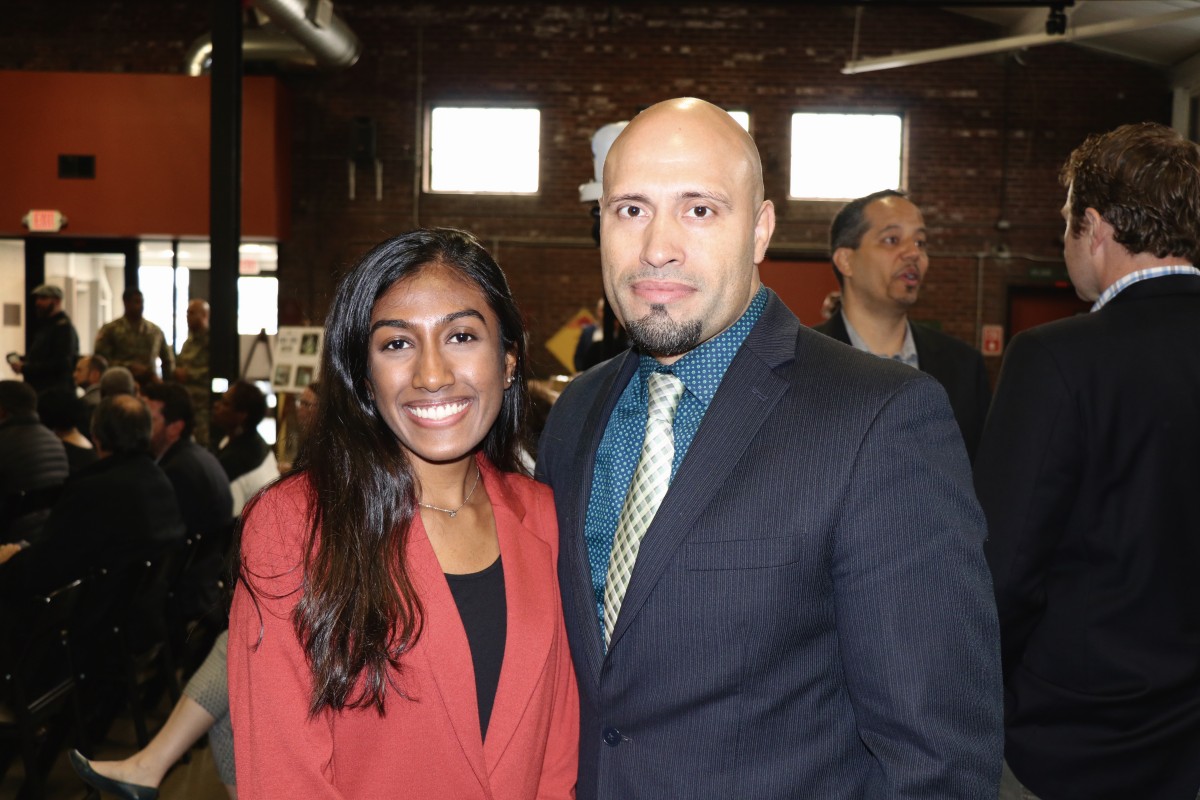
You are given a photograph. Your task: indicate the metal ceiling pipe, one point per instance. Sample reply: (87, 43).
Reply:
(257, 45)
(323, 34)
(855, 67)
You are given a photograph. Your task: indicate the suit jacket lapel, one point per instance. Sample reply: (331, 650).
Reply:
(748, 392)
(836, 328)
(529, 596)
(929, 356)
(443, 646)
(577, 584)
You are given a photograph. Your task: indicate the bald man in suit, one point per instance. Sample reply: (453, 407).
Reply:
(807, 611)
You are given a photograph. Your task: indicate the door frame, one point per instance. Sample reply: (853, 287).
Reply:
(37, 247)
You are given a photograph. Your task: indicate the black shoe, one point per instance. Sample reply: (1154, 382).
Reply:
(126, 791)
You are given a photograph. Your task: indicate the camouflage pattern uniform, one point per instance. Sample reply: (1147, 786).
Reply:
(194, 358)
(135, 345)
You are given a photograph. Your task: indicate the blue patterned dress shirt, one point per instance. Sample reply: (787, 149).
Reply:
(701, 371)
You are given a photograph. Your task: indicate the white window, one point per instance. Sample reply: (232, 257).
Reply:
(258, 305)
(166, 295)
(742, 118)
(484, 150)
(166, 299)
(843, 156)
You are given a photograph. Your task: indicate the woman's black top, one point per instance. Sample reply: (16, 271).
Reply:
(480, 600)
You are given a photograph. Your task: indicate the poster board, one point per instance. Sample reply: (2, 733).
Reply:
(297, 358)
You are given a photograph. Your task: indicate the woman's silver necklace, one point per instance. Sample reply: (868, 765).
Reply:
(453, 512)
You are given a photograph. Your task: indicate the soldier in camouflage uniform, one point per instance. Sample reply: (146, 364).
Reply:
(191, 367)
(133, 342)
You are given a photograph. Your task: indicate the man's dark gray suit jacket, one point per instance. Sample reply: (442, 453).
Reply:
(1089, 472)
(957, 366)
(810, 614)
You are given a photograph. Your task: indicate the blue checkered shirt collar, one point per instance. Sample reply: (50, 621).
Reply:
(703, 368)
(1142, 275)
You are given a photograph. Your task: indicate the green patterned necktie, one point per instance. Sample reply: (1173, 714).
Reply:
(650, 481)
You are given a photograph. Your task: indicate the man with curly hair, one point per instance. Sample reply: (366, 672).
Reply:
(1087, 472)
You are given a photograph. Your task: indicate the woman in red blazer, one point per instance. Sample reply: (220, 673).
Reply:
(397, 628)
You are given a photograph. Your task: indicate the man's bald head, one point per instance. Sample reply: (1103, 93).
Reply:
(197, 315)
(694, 120)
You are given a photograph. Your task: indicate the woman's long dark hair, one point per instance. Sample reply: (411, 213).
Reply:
(359, 612)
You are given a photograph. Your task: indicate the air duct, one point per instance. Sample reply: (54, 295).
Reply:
(318, 39)
(322, 32)
(257, 45)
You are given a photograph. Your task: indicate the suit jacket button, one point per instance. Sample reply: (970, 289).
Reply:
(612, 737)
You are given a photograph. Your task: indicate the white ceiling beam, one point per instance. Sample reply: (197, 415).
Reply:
(1015, 42)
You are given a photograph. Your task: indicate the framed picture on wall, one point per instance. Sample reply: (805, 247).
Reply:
(297, 357)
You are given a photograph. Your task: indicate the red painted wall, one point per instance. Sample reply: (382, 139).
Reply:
(150, 137)
(801, 285)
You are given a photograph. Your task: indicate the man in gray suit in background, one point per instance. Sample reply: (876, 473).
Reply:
(771, 560)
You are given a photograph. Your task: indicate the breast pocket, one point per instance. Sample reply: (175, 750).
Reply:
(741, 554)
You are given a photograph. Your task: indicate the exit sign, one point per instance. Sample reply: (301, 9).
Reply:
(44, 221)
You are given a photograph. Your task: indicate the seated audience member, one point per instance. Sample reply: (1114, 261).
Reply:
(245, 456)
(117, 380)
(60, 411)
(88, 372)
(32, 459)
(110, 513)
(201, 487)
(306, 412)
(201, 484)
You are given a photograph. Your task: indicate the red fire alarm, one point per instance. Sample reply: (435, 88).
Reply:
(993, 340)
(44, 221)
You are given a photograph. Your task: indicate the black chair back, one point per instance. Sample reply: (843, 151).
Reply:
(38, 679)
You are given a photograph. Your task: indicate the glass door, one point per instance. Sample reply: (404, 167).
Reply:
(93, 273)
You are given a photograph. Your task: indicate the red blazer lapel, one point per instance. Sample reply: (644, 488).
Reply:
(444, 649)
(529, 591)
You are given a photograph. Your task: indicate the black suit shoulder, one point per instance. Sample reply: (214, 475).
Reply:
(957, 366)
(120, 507)
(201, 487)
(1156, 310)
(835, 328)
(242, 454)
(944, 344)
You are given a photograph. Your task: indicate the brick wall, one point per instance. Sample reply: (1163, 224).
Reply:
(986, 135)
